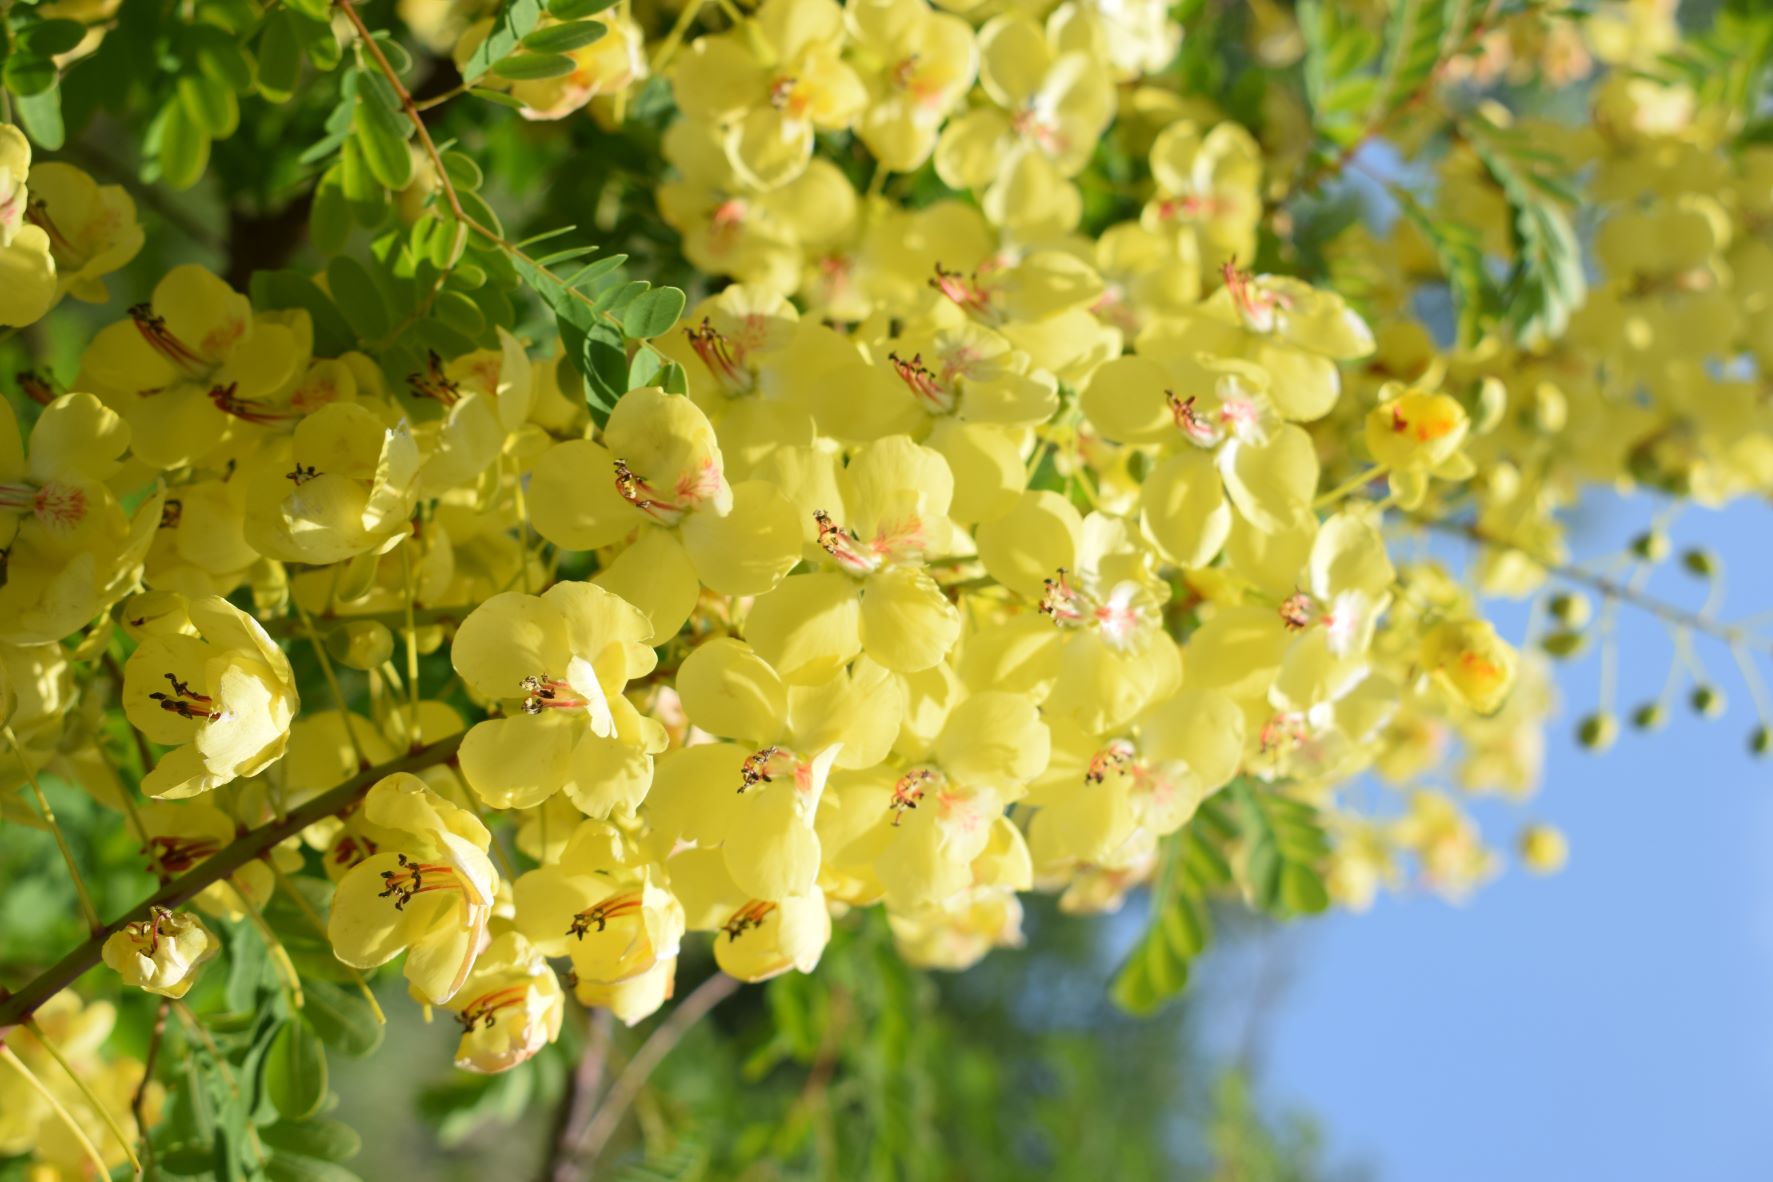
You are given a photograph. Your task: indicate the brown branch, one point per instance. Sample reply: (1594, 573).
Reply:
(670, 1032)
(248, 847)
(138, 1101)
(580, 1102)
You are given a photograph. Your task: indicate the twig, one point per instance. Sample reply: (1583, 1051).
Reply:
(691, 1010)
(138, 1102)
(242, 850)
(579, 1103)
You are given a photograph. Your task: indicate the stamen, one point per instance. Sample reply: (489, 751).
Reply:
(1296, 611)
(1118, 758)
(484, 1010)
(967, 294)
(760, 767)
(936, 397)
(838, 542)
(178, 854)
(171, 513)
(146, 932)
(614, 907)
(1258, 306)
(36, 387)
(408, 881)
(252, 412)
(302, 475)
(908, 791)
(751, 915)
(434, 383)
(724, 359)
(548, 693)
(1191, 422)
(162, 341)
(1062, 602)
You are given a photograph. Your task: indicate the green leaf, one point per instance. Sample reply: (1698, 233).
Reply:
(280, 57)
(1417, 37)
(653, 313)
(381, 135)
(462, 171)
(321, 1137)
(645, 369)
(1547, 282)
(1284, 851)
(295, 1070)
(497, 96)
(41, 116)
(515, 21)
(211, 104)
(1460, 251)
(183, 146)
(318, 10)
(342, 1017)
(603, 360)
(333, 333)
(358, 297)
(1180, 928)
(563, 38)
(51, 37)
(294, 1167)
(27, 73)
(528, 67)
(572, 10)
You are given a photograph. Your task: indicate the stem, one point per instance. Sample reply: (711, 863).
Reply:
(413, 738)
(674, 39)
(332, 681)
(55, 1104)
(279, 954)
(138, 1101)
(691, 1010)
(1353, 484)
(61, 840)
(93, 1101)
(577, 1108)
(242, 850)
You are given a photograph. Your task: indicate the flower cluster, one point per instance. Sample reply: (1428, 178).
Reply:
(959, 546)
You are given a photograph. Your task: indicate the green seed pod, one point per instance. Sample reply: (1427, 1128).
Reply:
(1761, 741)
(1598, 731)
(1707, 701)
(1649, 717)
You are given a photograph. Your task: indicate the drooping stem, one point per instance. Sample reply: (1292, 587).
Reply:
(86, 908)
(689, 1011)
(244, 849)
(56, 1106)
(92, 1101)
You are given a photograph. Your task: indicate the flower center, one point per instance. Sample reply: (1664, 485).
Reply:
(843, 546)
(936, 398)
(967, 293)
(56, 505)
(667, 508)
(548, 693)
(175, 855)
(765, 764)
(252, 412)
(162, 341)
(1259, 307)
(145, 933)
(1199, 428)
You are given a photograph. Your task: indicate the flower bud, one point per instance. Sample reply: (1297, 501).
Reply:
(1700, 562)
(1652, 545)
(1649, 717)
(1707, 701)
(1572, 609)
(1565, 643)
(1543, 849)
(1760, 742)
(1598, 731)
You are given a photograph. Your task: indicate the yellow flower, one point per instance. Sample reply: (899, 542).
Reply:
(161, 953)
(510, 1007)
(92, 228)
(602, 906)
(427, 891)
(1473, 664)
(559, 662)
(222, 699)
(27, 263)
(917, 66)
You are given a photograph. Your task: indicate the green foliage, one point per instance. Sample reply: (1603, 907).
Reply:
(1546, 283)
(1284, 850)
(1180, 927)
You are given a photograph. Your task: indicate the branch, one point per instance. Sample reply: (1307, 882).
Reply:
(622, 1093)
(580, 1102)
(15, 1008)
(1679, 617)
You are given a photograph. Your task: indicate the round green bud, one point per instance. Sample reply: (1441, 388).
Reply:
(1572, 609)
(1702, 563)
(1597, 731)
(1649, 717)
(1707, 701)
(1564, 643)
(1652, 545)
(1760, 742)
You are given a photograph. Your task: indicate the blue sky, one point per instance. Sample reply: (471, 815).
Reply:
(1612, 1022)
